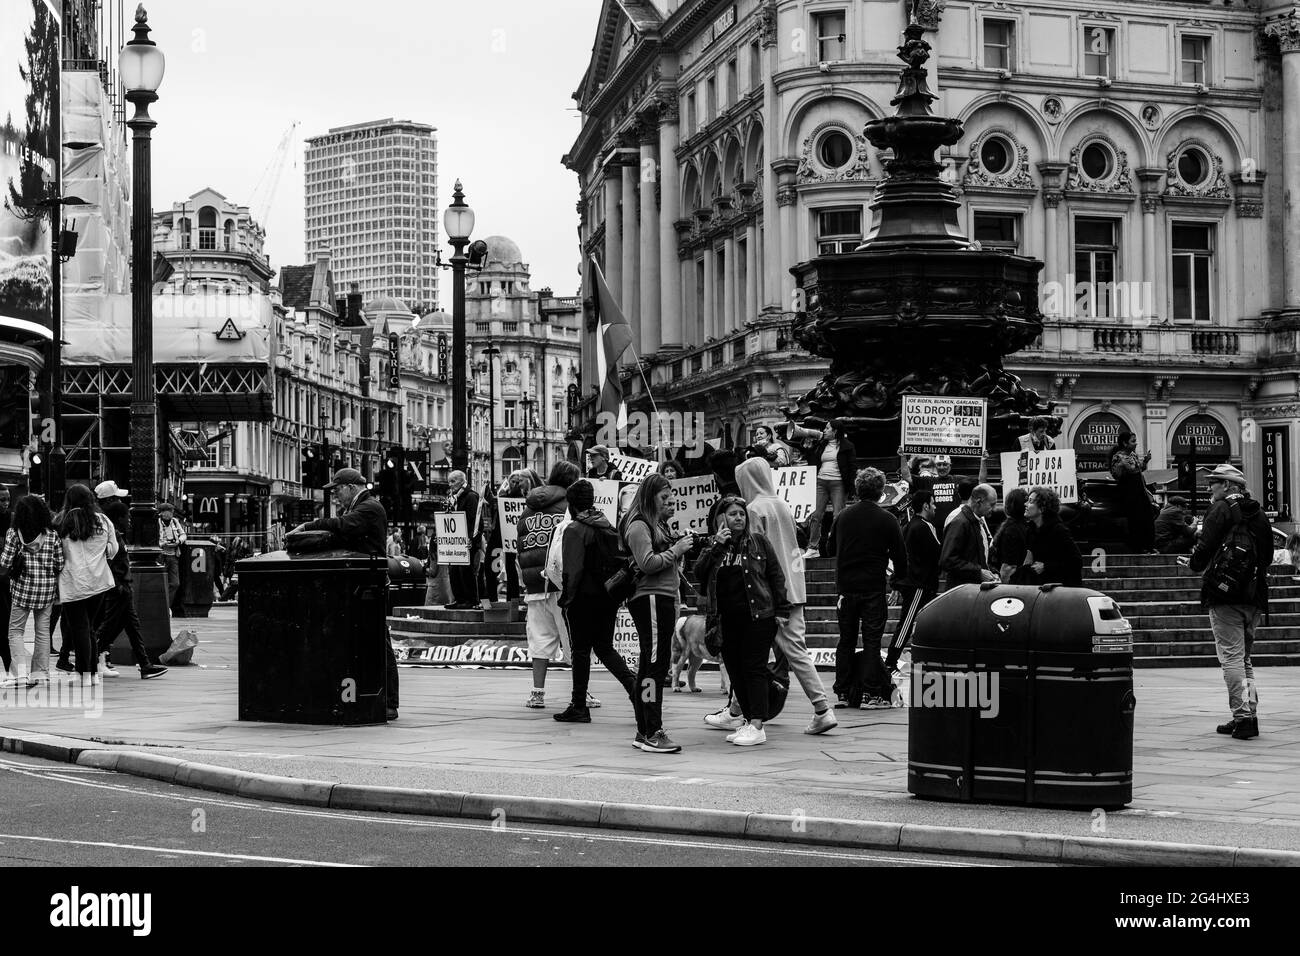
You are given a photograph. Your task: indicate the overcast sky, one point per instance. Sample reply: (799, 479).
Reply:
(493, 76)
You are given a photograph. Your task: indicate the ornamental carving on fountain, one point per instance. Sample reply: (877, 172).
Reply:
(917, 308)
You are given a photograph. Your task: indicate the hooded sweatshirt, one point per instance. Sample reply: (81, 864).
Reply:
(545, 509)
(770, 516)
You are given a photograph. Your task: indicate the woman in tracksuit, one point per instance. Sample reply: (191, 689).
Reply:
(746, 591)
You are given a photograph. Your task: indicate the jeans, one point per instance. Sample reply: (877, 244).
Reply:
(865, 613)
(790, 641)
(591, 628)
(833, 491)
(40, 660)
(75, 621)
(1234, 635)
(910, 604)
(746, 645)
(6, 603)
(172, 563)
(655, 616)
(120, 615)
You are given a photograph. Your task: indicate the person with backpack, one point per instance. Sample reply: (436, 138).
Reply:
(747, 592)
(33, 559)
(1234, 553)
(591, 556)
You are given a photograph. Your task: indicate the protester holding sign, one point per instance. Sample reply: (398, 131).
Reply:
(653, 606)
(591, 556)
(464, 579)
(511, 501)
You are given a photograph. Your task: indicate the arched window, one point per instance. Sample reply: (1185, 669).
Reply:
(207, 228)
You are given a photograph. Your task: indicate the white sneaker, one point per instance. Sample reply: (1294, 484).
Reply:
(723, 720)
(591, 701)
(812, 553)
(821, 723)
(536, 700)
(731, 737)
(749, 736)
(106, 668)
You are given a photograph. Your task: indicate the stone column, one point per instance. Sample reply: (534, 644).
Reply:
(710, 320)
(787, 229)
(771, 147)
(613, 226)
(648, 280)
(630, 296)
(1051, 173)
(1287, 35)
(1252, 241)
(670, 270)
(1149, 178)
(729, 320)
(751, 270)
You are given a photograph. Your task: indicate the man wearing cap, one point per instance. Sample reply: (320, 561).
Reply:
(119, 604)
(361, 525)
(600, 468)
(171, 535)
(1235, 606)
(464, 578)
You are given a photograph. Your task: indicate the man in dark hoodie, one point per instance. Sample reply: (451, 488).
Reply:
(1235, 589)
(544, 512)
(917, 582)
(591, 555)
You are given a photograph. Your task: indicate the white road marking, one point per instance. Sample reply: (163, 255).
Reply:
(208, 797)
(171, 850)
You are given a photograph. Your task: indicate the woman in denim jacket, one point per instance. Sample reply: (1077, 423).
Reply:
(746, 592)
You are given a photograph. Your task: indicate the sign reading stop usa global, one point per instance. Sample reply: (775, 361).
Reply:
(939, 425)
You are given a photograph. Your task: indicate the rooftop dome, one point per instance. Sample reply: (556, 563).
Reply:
(504, 251)
(385, 303)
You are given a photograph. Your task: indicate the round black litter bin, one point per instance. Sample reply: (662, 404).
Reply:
(313, 641)
(198, 567)
(1022, 695)
(406, 584)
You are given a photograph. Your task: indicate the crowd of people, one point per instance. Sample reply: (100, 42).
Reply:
(69, 570)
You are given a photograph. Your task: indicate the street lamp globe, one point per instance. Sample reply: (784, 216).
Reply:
(141, 62)
(458, 221)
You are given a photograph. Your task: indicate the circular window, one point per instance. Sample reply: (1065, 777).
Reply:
(835, 150)
(995, 155)
(1098, 161)
(1193, 167)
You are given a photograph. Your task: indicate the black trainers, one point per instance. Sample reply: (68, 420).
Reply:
(1227, 728)
(658, 742)
(573, 715)
(65, 666)
(150, 671)
(1247, 727)
(640, 739)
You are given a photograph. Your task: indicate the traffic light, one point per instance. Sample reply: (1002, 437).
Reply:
(38, 470)
(310, 467)
(387, 480)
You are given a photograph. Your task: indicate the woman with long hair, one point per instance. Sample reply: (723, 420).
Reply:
(33, 584)
(1054, 557)
(88, 541)
(1133, 498)
(1007, 552)
(658, 556)
(746, 590)
(836, 460)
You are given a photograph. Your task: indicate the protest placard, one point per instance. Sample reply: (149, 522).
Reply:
(632, 469)
(797, 486)
(606, 498)
(938, 425)
(626, 643)
(453, 538)
(693, 497)
(508, 512)
(1053, 469)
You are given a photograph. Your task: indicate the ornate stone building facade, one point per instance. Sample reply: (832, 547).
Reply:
(1140, 149)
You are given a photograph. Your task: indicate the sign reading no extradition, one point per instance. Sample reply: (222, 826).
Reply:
(693, 497)
(1046, 469)
(509, 511)
(453, 538)
(937, 425)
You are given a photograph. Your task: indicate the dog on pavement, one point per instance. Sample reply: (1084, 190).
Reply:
(690, 652)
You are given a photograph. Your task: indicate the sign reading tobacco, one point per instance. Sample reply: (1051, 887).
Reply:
(937, 425)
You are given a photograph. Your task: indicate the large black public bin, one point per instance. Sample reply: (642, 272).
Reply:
(1022, 695)
(313, 642)
(198, 567)
(406, 584)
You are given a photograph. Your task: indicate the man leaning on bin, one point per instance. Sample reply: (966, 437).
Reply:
(361, 525)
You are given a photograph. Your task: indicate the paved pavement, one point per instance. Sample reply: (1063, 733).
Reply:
(467, 730)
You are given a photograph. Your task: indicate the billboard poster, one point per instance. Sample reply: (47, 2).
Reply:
(29, 81)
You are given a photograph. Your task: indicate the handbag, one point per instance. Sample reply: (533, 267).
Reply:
(621, 585)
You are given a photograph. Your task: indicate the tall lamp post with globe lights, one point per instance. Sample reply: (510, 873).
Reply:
(459, 224)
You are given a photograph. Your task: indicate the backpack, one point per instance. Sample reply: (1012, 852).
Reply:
(1233, 576)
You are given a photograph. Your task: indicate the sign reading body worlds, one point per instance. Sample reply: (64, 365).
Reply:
(1095, 438)
(1209, 435)
(453, 538)
(937, 425)
(1047, 469)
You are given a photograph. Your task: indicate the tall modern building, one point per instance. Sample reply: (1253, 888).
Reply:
(372, 204)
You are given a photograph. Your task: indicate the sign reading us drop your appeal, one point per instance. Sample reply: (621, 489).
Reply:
(937, 425)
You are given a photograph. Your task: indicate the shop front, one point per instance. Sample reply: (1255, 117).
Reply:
(227, 509)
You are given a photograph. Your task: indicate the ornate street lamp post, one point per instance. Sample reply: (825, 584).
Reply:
(459, 224)
(142, 65)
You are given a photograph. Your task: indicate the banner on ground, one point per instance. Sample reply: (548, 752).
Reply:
(632, 469)
(474, 652)
(509, 511)
(1050, 469)
(937, 425)
(606, 492)
(693, 498)
(453, 539)
(626, 644)
(797, 486)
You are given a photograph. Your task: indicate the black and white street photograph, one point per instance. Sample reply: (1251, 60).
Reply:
(613, 434)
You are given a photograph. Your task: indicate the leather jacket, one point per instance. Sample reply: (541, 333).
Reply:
(764, 580)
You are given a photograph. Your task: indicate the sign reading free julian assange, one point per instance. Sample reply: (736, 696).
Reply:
(938, 425)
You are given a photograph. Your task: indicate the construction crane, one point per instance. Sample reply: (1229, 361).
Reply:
(259, 203)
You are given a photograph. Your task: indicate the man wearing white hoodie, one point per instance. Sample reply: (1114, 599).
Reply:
(770, 516)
